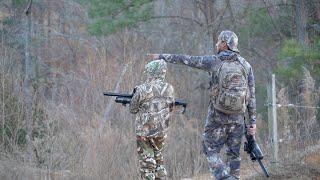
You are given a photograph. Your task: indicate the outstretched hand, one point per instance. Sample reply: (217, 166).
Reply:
(153, 56)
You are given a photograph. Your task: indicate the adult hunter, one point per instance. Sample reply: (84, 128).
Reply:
(232, 91)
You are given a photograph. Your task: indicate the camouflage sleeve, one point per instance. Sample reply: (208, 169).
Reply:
(201, 62)
(252, 100)
(135, 101)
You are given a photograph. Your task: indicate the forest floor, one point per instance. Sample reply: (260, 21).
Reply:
(306, 169)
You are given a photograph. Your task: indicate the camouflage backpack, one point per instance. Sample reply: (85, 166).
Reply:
(231, 88)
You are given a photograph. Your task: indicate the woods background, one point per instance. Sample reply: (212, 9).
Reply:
(58, 57)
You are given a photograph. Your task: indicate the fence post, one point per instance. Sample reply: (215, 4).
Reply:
(272, 119)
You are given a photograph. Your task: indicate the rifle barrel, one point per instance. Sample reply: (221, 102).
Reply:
(120, 98)
(265, 171)
(117, 94)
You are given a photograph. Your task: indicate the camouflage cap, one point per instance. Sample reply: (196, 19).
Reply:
(230, 38)
(156, 68)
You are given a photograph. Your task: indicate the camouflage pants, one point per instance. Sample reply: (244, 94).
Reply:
(223, 129)
(151, 158)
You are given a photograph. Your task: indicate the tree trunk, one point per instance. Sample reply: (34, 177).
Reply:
(2, 83)
(301, 21)
(317, 5)
(27, 85)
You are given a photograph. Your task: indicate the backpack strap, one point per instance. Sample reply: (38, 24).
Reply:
(244, 67)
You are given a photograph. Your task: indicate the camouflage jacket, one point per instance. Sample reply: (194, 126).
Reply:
(152, 102)
(211, 63)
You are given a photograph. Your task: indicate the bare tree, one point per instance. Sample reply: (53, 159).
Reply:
(301, 21)
(28, 94)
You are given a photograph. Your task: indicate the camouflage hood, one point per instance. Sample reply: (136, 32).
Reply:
(156, 69)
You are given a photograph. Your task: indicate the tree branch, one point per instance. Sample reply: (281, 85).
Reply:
(230, 9)
(272, 21)
(179, 17)
(221, 15)
(28, 9)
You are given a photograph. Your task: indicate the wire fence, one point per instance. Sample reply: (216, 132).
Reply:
(298, 130)
(299, 137)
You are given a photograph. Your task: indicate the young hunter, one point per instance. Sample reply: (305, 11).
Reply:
(152, 102)
(232, 91)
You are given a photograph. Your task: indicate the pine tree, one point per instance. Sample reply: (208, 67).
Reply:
(109, 16)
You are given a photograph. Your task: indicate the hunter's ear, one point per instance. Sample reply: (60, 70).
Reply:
(225, 44)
